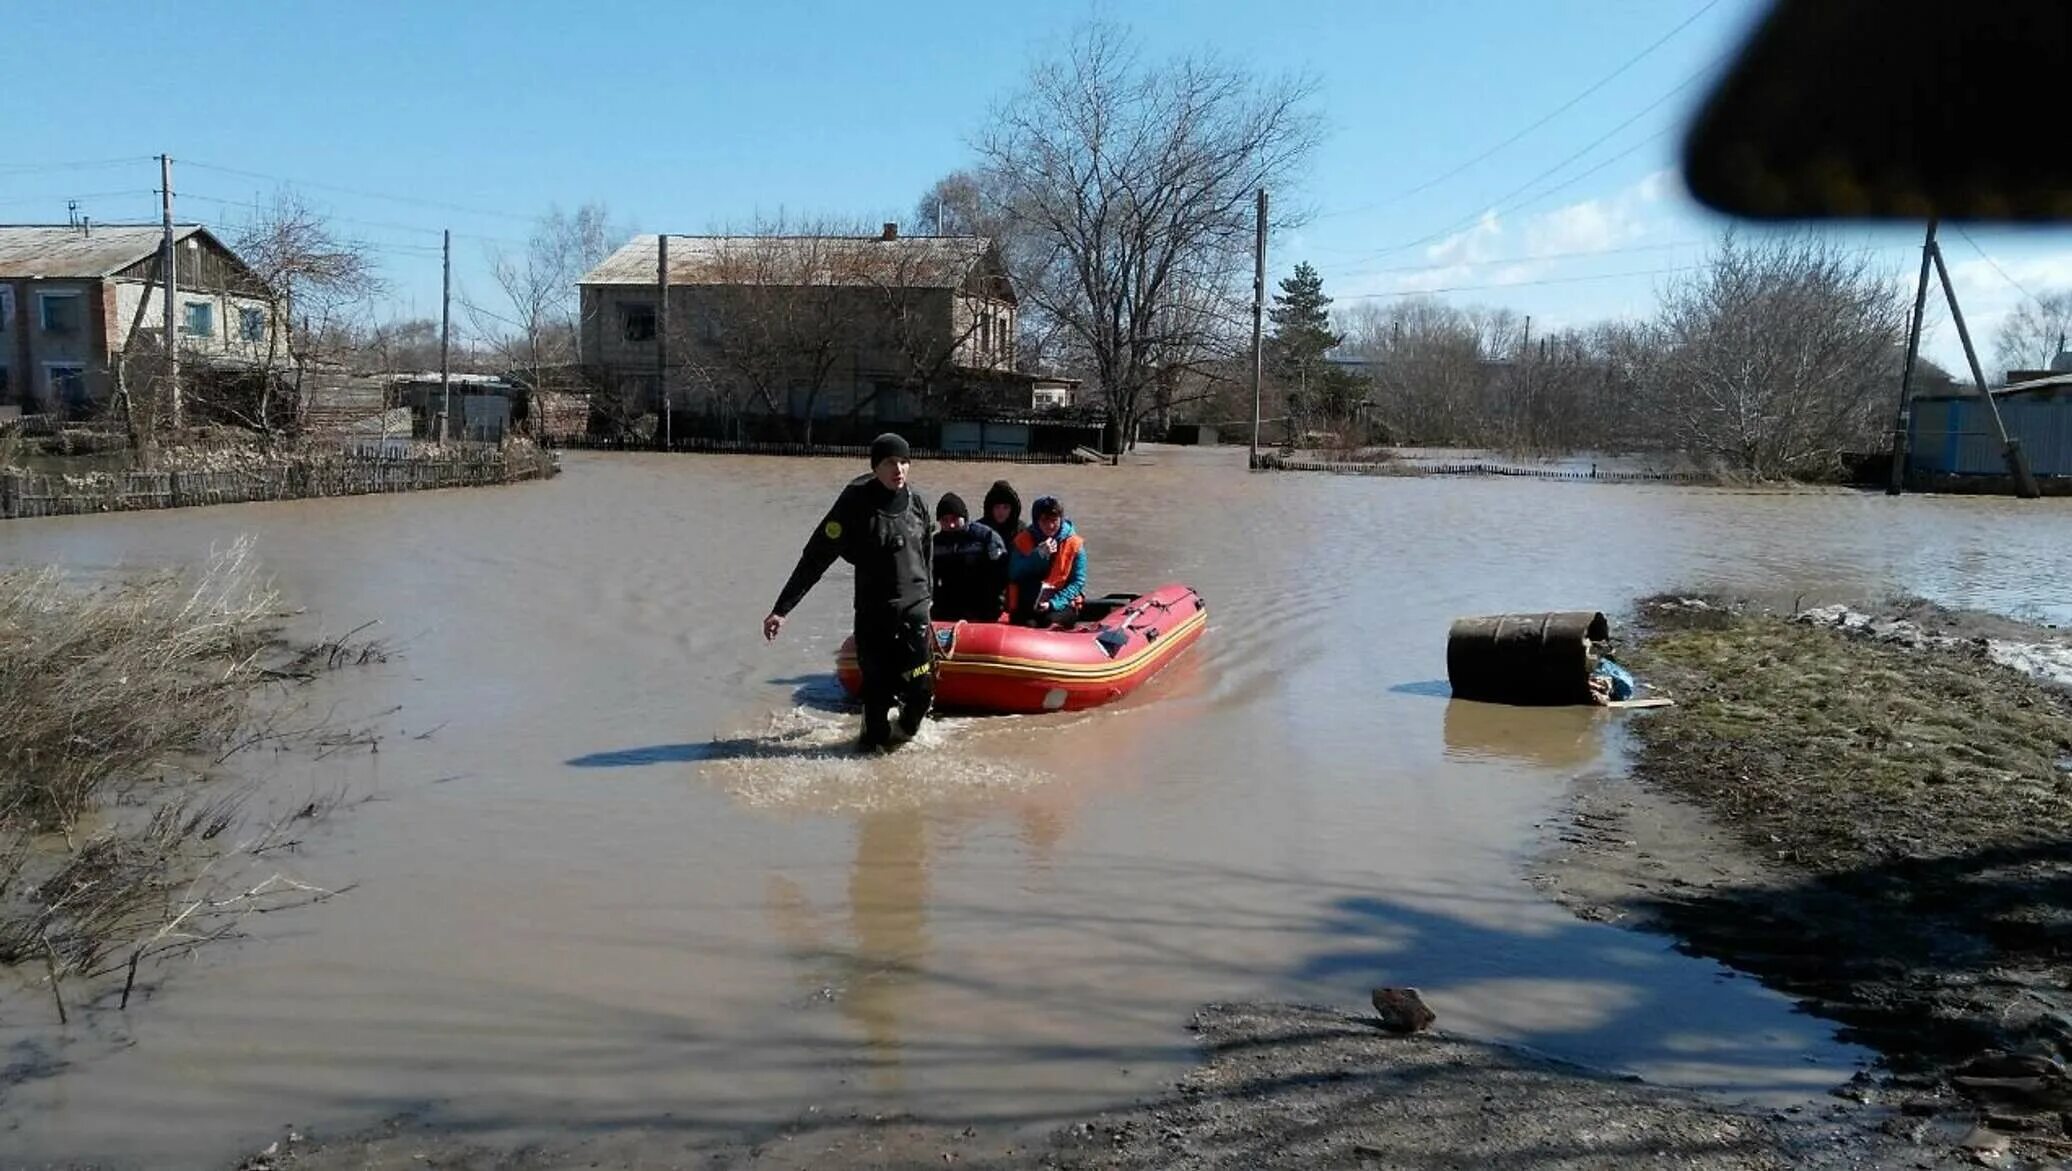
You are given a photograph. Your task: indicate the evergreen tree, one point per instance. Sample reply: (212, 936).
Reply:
(1302, 335)
(1301, 316)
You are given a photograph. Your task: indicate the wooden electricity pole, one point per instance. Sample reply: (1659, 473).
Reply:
(662, 334)
(2010, 447)
(172, 333)
(1258, 313)
(445, 336)
(1902, 421)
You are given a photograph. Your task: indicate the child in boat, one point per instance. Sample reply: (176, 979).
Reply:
(970, 566)
(1046, 568)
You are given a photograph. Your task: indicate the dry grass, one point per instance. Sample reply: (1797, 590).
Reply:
(108, 684)
(1829, 752)
(114, 846)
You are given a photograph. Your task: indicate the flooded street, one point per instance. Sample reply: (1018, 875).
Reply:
(619, 870)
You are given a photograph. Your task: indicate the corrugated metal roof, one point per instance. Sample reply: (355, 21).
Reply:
(62, 252)
(2040, 386)
(927, 262)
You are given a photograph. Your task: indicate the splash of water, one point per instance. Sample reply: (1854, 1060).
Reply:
(806, 758)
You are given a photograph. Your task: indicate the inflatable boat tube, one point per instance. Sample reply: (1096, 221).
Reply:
(1120, 641)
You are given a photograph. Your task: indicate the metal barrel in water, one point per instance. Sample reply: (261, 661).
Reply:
(1524, 658)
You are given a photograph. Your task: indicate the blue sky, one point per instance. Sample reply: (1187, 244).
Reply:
(403, 118)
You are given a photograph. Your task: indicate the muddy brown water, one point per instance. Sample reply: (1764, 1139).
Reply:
(621, 873)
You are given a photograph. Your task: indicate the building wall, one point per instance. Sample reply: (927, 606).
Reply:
(105, 311)
(14, 343)
(226, 339)
(986, 332)
(871, 351)
(1956, 436)
(31, 350)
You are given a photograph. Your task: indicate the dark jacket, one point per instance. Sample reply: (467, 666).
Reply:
(1002, 490)
(970, 575)
(884, 534)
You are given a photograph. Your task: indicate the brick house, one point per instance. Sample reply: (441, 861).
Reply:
(813, 338)
(74, 298)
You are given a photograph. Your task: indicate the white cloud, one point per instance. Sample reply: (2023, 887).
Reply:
(1476, 245)
(1497, 251)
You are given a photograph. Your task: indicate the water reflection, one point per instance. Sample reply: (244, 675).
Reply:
(1549, 737)
(873, 978)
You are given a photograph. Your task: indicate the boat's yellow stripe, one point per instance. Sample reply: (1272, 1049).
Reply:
(1004, 665)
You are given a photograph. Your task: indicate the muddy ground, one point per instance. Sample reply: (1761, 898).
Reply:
(1279, 1087)
(1881, 828)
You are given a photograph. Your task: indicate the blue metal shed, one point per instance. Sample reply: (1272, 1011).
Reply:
(1954, 435)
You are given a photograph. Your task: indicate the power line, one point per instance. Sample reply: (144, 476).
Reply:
(1542, 121)
(1531, 258)
(1564, 280)
(245, 203)
(364, 194)
(1505, 204)
(39, 199)
(87, 165)
(1996, 267)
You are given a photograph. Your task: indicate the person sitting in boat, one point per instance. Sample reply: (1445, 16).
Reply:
(1046, 568)
(970, 566)
(1003, 512)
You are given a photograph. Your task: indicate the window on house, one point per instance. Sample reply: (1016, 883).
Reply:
(251, 324)
(199, 319)
(67, 385)
(6, 308)
(638, 322)
(60, 311)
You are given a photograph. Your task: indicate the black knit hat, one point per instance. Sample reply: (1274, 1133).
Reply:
(951, 504)
(889, 446)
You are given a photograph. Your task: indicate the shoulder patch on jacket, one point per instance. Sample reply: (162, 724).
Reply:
(833, 530)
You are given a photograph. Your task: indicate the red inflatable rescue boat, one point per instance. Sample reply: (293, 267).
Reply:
(1119, 641)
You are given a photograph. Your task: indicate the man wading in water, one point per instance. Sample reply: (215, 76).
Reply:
(881, 526)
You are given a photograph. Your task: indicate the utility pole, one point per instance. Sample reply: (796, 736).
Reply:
(662, 335)
(445, 334)
(1902, 419)
(2024, 483)
(1525, 356)
(1258, 316)
(172, 333)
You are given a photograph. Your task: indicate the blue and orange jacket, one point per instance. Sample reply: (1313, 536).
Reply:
(1028, 570)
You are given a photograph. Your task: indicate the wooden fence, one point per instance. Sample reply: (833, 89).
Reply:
(1394, 468)
(33, 494)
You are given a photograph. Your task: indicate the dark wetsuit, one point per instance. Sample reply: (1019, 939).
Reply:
(885, 535)
(970, 575)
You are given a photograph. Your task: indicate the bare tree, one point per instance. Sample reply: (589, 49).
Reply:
(1135, 182)
(312, 281)
(2033, 334)
(777, 320)
(1778, 357)
(1428, 365)
(538, 323)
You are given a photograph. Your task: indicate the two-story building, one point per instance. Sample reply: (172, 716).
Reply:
(75, 298)
(786, 330)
